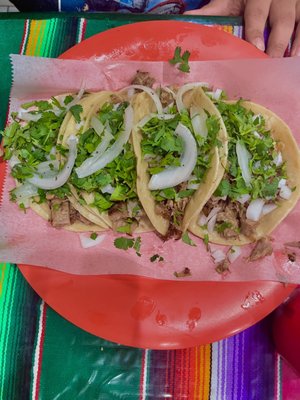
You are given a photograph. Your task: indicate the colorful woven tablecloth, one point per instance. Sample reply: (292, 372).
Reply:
(44, 357)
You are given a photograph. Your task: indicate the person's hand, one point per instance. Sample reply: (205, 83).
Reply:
(282, 15)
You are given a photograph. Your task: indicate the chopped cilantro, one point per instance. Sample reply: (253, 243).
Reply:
(76, 110)
(156, 257)
(187, 240)
(181, 60)
(124, 243)
(124, 229)
(220, 228)
(94, 236)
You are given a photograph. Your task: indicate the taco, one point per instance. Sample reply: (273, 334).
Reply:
(40, 163)
(181, 152)
(261, 183)
(103, 180)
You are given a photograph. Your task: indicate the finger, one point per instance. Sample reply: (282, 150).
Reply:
(296, 44)
(256, 14)
(282, 21)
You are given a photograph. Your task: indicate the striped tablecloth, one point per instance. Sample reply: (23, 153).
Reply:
(42, 356)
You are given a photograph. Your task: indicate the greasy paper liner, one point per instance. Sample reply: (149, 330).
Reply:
(28, 239)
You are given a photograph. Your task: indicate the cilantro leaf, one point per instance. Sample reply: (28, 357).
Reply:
(94, 236)
(137, 245)
(181, 60)
(187, 240)
(76, 110)
(123, 243)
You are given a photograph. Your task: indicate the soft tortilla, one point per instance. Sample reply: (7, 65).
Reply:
(291, 156)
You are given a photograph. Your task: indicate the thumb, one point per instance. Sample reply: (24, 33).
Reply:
(215, 7)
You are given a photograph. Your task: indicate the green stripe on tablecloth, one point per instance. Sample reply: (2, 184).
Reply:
(17, 330)
(77, 365)
(13, 43)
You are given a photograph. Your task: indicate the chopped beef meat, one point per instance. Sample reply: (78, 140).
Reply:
(118, 211)
(166, 98)
(229, 216)
(60, 212)
(182, 274)
(292, 257)
(248, 228)
(118, 98)
(293, 244)
(143, 78)
(160, 209)
(212, 203)
(222, 267)
(76, 216)
(262, 249)
(173, 232)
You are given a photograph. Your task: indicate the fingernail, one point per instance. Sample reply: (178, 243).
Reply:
(259, 43)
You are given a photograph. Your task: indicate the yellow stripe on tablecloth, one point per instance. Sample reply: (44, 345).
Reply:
(34, 31)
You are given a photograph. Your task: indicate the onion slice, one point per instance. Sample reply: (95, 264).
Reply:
(151, 93)
(61, 178)
(26, 115)
(254, 210)
(218, 255)
(267, 208)
(148, 118)
(171, 177)
(89, 166)
(243, 198)
(87, 242)
(244, 157)
(285, 192)
(185, 88)
(25, 191)
(199, 117)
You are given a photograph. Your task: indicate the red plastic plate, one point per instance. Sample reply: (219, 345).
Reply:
(145, 312)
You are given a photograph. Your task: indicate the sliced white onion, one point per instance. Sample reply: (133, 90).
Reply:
(193, 186)
(79, 125)
(97, 125)
(234, 253)
(96, 162)
(267, 208)
(243, 198)
(256, 116)
(211, 223)
(171, 177)
(218, 256)
(87, 242)
(244, 157)
(148, 118)
(281, 183)
(257, 135)
(96, 154)
(25, 191)
(278, 159)
(13, 161)
(202, 219)
(183, 90)
(213, 212)
(199, 117)
(108, 189)
(151, 93)
(285, 192)
(220, 198)
(61, 178)
(215, 94)
(130, 93)
(48, 168)
(257, 165)
(254, 210)
(131, 204)
(167, 89)
(26, 115)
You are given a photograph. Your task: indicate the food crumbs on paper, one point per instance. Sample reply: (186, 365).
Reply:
(292, 257)
(156, 257)
(184, 273)
(223, 267)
